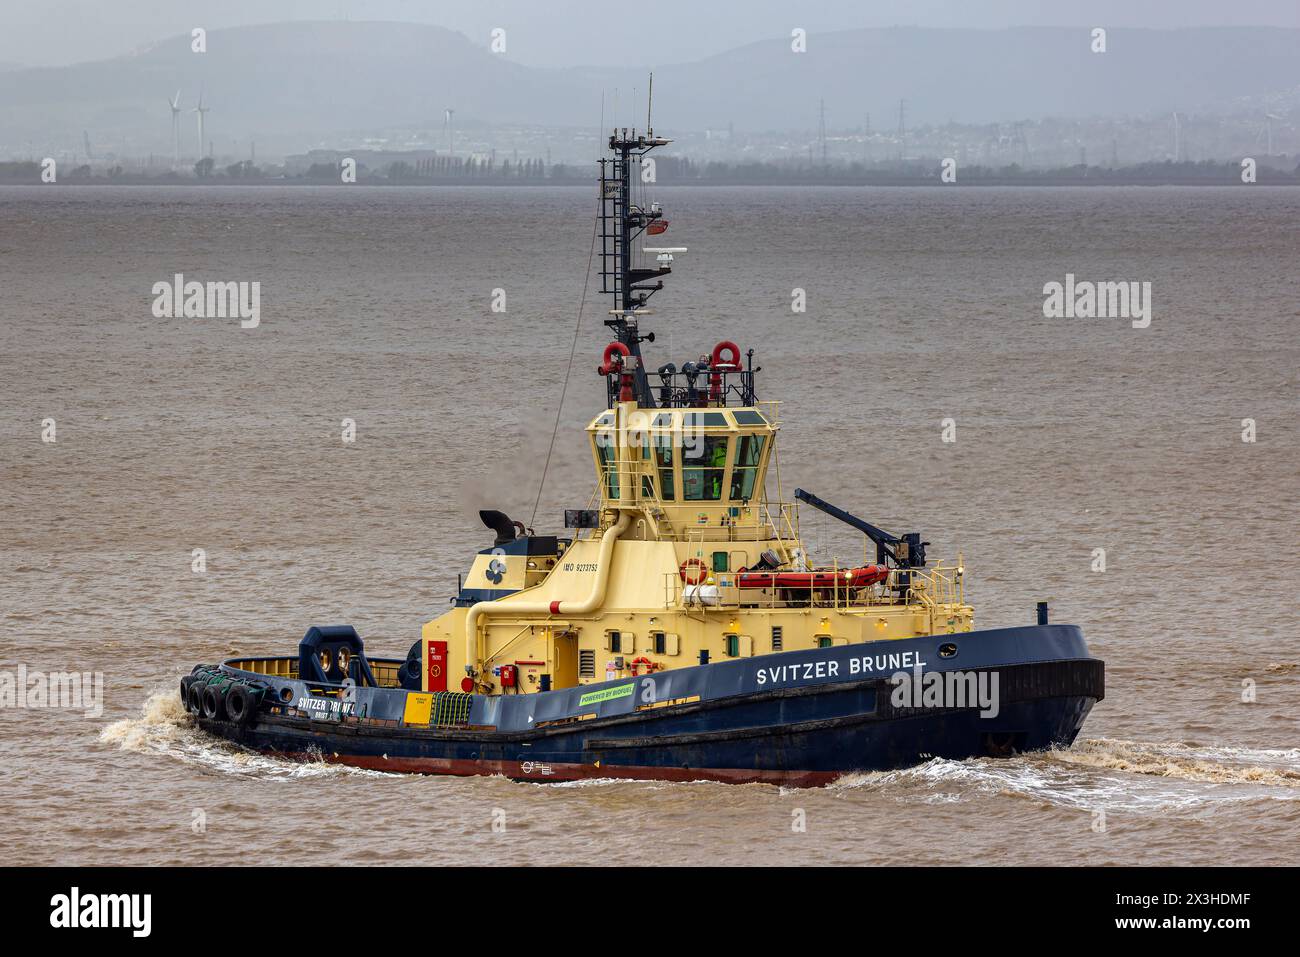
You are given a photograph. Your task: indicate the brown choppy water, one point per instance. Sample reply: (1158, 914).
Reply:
(923, 304)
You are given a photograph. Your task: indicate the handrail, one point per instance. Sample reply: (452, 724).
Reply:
(932, 587)
(677, 390)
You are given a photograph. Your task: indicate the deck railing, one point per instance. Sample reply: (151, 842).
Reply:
(933, 586)
(385, 670)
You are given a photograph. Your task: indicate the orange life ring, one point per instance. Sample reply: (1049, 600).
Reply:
(701, 571)
(637, 662)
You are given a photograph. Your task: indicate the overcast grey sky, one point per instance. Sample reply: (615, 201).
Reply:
(577, 32)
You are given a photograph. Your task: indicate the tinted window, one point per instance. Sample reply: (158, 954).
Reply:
(749, 453)
(702, 474)
(609, 467)
(663, 445)
(693, 420)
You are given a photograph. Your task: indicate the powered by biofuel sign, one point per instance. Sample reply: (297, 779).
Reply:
(607, 694)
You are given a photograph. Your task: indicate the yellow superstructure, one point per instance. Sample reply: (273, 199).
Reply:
(680, 509)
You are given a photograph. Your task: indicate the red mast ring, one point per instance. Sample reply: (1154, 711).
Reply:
(718, 365)
(610, 365)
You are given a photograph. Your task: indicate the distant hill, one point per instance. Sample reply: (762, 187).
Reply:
(294, 84)
(983, 76)
(289, 80)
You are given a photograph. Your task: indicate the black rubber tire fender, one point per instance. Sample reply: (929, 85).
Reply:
(214, 701)
(241, 704)
(194, 697)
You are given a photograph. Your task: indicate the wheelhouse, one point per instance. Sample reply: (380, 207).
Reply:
(682, 458)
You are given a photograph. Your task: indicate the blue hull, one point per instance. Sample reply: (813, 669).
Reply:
(799, 718)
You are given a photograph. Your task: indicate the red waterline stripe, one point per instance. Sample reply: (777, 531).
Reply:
(465, 767)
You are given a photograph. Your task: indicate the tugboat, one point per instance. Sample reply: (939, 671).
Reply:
(679, 628)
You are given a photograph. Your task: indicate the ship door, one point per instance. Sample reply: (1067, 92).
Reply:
(566, 660)
(437, 664)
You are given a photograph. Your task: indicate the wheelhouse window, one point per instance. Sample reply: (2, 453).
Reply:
(702, 469)
(608, 462)
(663, 455)
(694, 420)
(749, 453)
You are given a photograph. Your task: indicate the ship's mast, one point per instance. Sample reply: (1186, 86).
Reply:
(622, 222)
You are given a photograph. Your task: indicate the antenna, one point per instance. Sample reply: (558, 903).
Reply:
(664, 254)
(649, 101)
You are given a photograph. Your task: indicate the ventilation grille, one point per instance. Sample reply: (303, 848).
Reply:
(587, 663)
(777, 638)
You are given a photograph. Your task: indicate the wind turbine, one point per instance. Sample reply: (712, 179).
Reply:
(201, 110)
(175, 103)
(1268, 125)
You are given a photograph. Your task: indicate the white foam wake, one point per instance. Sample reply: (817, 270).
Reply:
(1103, 773)
(166, 728)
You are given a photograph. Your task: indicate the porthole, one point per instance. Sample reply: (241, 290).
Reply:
(947, 650)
